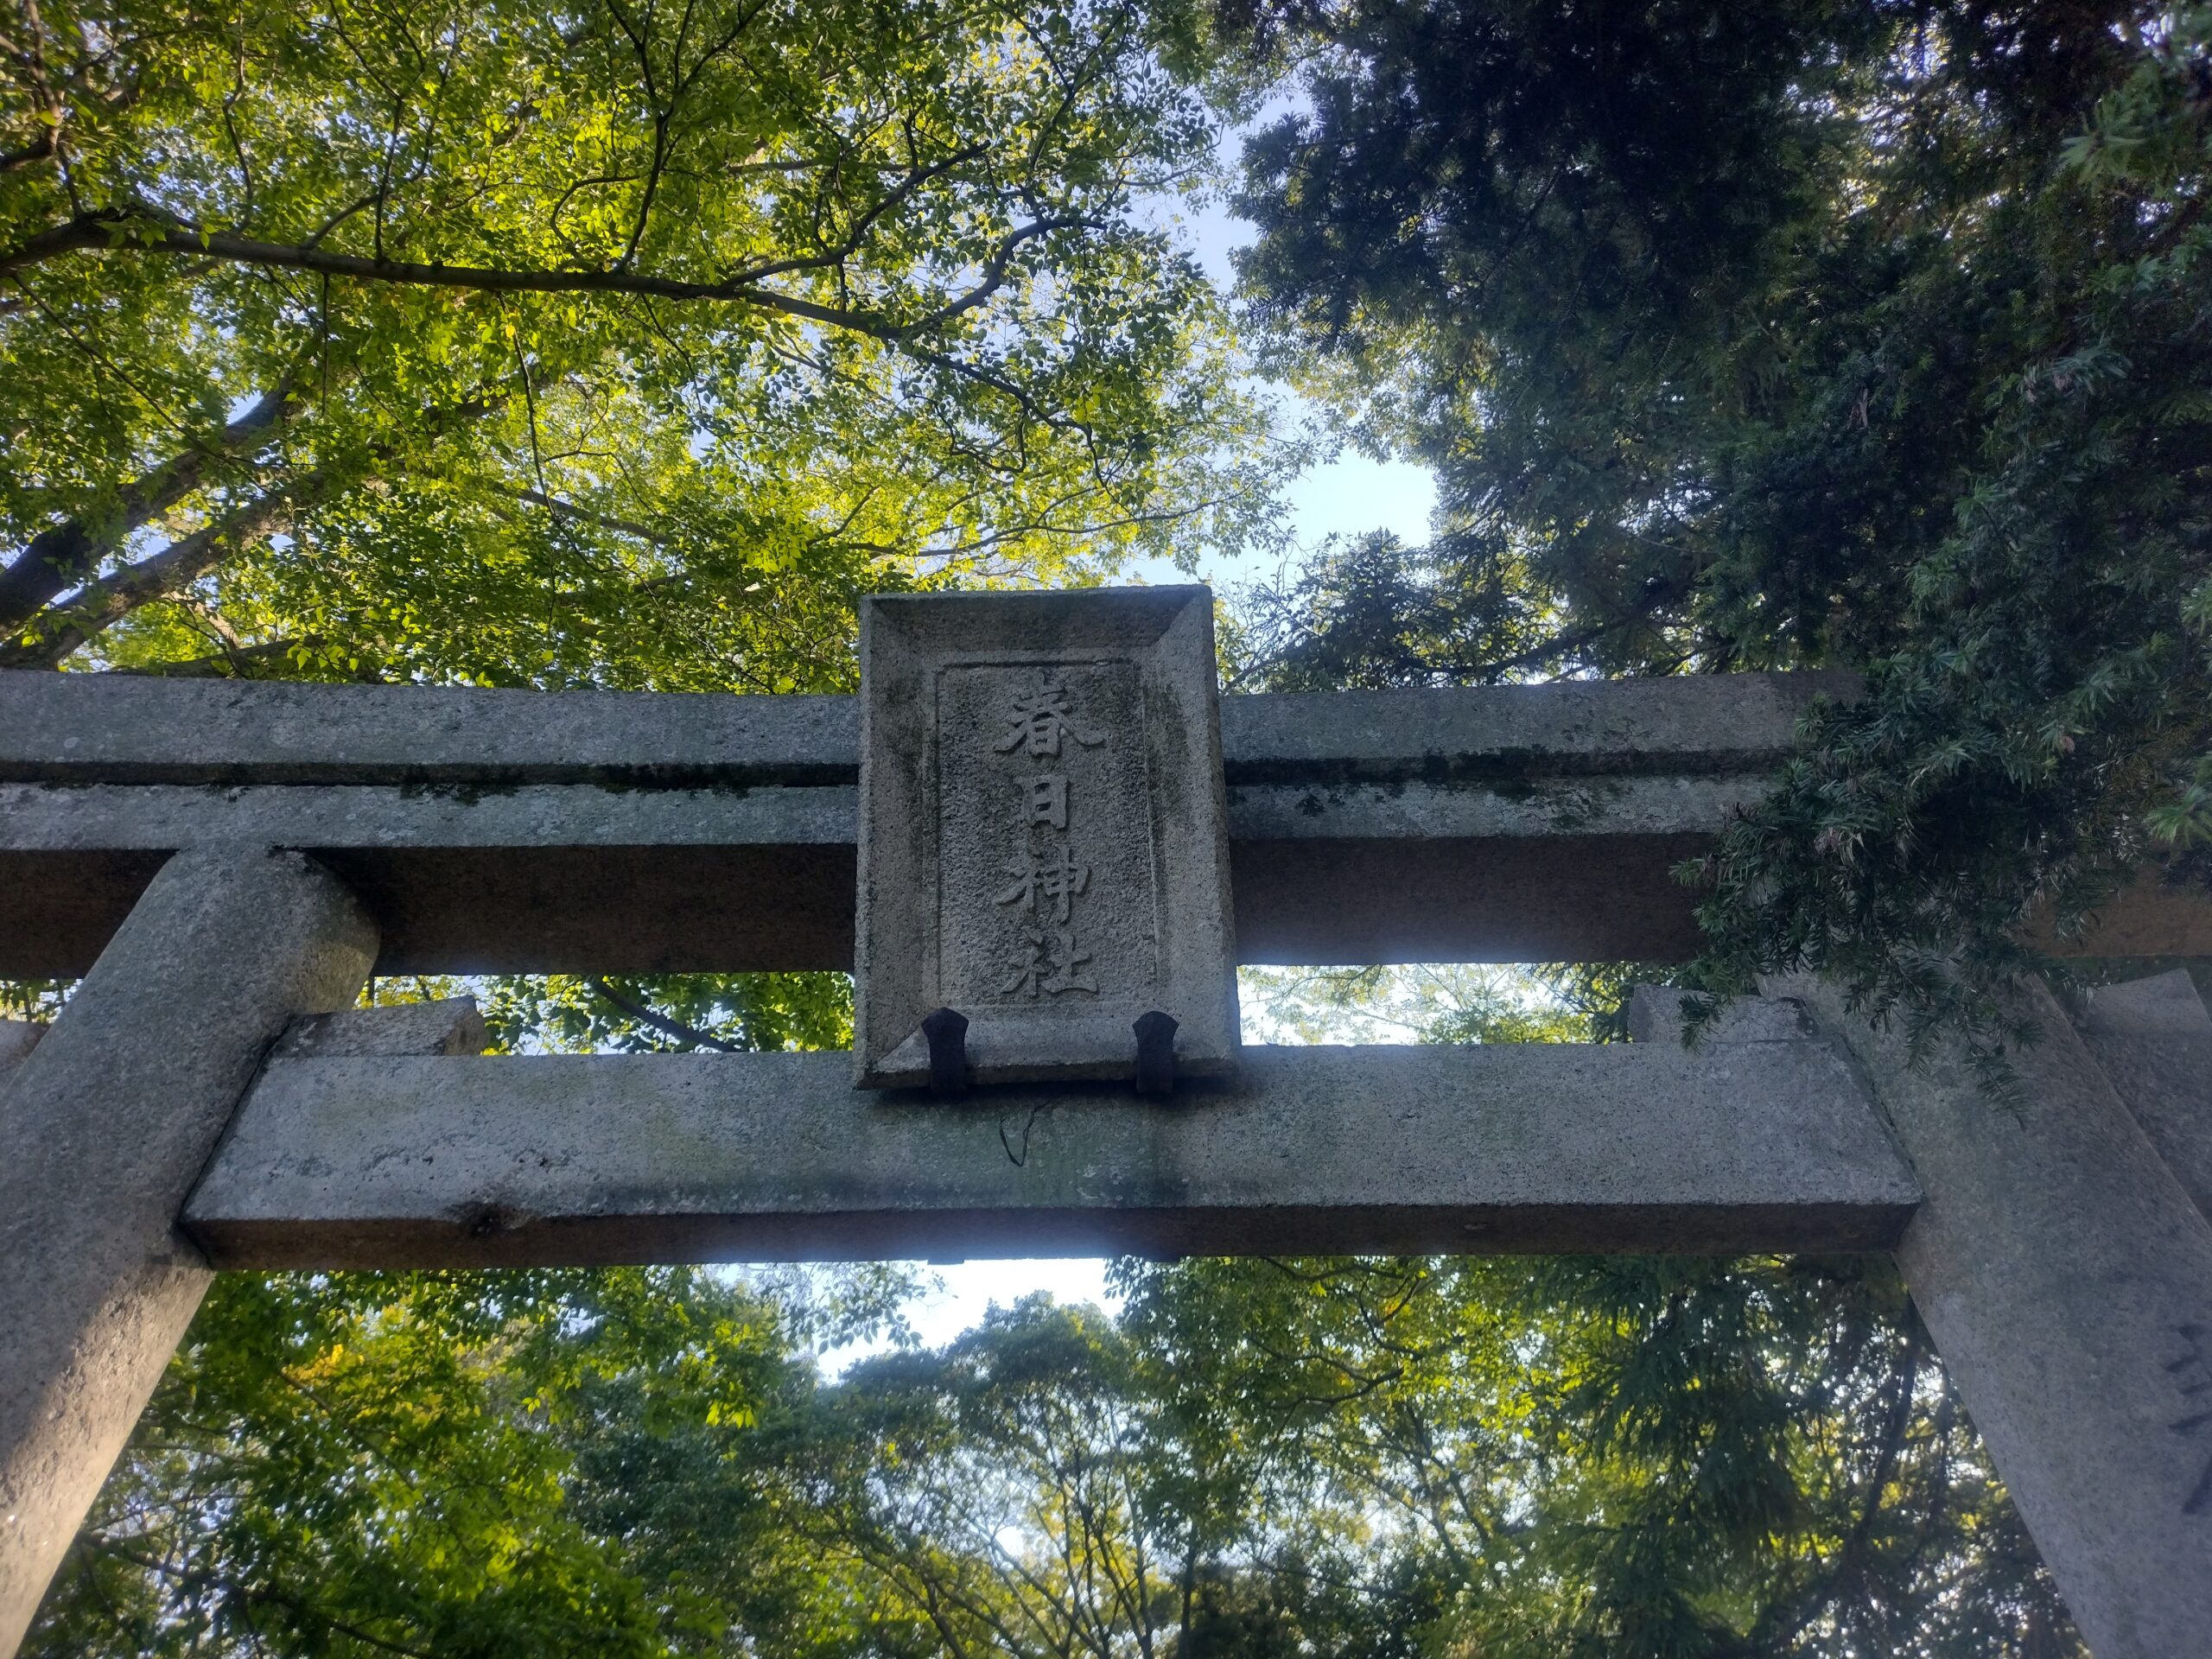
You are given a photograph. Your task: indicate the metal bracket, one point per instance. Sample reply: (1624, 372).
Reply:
(1156, 1054)
(947, 1032)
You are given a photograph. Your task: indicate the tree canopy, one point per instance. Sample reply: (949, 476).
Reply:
(1866, 336)
(629, 341)
(1257, 1459)
(620, 342)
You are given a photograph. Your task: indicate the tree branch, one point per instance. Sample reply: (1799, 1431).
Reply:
(249, 1592)
(232, 662)
(570, 509)
(1779, 1627)
(41, 149)
(146, 230)
(691, 1036)
(61, 554)
(102, 604)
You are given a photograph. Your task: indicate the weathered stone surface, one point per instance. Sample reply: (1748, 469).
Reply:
(1043, 843)
(497, 831)
(158, 818)
(103, 1130)
(2067, 1279)
(449, 1026)
(537, 1159)
(95, 728)
(106, 727)
(1687, 723)
(1655, 1014)
(577, 878)
(535, 878)
(2153, 1038)
(17, 1038)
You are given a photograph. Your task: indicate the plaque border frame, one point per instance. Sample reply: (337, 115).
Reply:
(905, 640)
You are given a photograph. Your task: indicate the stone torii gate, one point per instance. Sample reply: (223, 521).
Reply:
(1046, 814)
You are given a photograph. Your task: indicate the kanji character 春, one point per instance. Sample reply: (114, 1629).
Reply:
(1039, 718)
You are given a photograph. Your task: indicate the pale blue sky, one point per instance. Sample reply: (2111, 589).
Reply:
(1345, 497)
(967, 1289)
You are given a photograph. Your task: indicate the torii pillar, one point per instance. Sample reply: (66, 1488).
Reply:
(103, 1128)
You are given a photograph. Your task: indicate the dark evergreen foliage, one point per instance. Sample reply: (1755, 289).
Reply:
(1778, 336)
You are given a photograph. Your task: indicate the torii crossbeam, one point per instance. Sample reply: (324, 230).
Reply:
(219, 860)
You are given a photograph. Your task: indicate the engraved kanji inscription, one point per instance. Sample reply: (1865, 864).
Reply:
(1039, 773)
(1046, 802)
(1040, 717)
(1048, 961)
(2192, 1378)
(1045, 841)
(1056, 880)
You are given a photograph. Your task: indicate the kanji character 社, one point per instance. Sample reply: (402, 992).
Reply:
(1050, 961)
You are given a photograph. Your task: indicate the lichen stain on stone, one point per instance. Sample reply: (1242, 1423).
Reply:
(460, 793)
(487, 1219)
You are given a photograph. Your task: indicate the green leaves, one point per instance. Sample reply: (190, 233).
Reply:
(683, 1011)
(1825, 336)
(375, 1457)
(1601, 1457)
(620, 346)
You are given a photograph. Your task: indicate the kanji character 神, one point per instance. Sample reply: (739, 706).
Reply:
(1057, 881)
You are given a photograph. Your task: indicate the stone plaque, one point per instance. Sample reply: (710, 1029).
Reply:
(1043, 843)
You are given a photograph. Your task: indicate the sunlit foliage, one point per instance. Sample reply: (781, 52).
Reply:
(609, 343)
